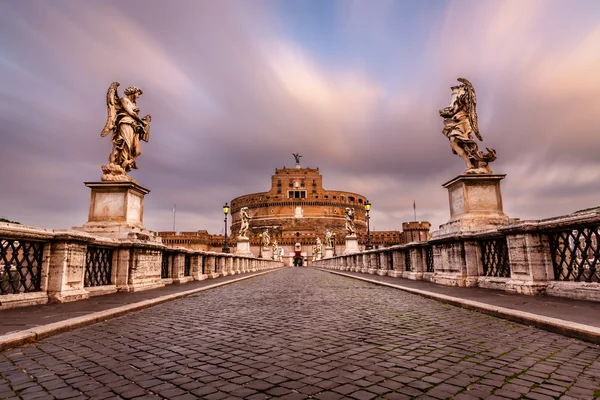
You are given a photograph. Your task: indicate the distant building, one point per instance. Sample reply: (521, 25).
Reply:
(298, 209)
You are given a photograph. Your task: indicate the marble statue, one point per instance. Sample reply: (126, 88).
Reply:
(266, 239)
(328, 235)
(277, 251)
(350, 230)
(297, 157)
(127, 128)
(244, 222)
(460, 124)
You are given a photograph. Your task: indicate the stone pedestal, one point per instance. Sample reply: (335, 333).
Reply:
(328, 252)
(351, 245)
(117, 211)
(243, 247)
(475, 204)
(266, 253)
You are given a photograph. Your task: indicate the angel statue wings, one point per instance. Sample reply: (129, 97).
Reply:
(460, 124)
(127, 129)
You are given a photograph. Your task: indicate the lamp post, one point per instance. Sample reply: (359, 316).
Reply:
(368, 245)
(225, 211)
(335, 255)
(260, 245)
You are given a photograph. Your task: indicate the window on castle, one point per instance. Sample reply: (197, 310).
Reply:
(296, 194)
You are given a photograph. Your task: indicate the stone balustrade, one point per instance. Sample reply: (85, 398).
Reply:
(38, 265)
(557, 256)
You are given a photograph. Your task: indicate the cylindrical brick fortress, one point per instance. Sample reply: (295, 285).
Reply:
(298, 209)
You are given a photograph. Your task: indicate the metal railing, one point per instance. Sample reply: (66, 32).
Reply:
(166, 262)
(98, 266)
(494, 257)
(575, 254)
(429, 259)
(20, 266)
(407, 265)
(187, 263)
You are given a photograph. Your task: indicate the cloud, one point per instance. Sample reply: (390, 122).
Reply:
(232, 96)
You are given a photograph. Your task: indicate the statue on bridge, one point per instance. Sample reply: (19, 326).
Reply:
(350, 230)
(266, 239)
(244, 223)
(460, 124)
(319, 249)
(127, 129)
(328, 235)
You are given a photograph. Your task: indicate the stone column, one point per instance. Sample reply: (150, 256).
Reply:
(417, 262)
(530, 260)
(144, 268)
(399, 264)
(66, 271)
(383, 263)
(196, 267)
(229, 264)
(178, 265)
(373, 262)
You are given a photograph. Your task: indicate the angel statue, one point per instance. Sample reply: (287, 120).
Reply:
(297, 157)
(266, 238)
(350, 231)
(460, 124)
(127, 129)
(328, 238)
(244, 223)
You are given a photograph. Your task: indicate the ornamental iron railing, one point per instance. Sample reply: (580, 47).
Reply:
(407, 265)
(429, 259)
(167, 260)
(187, 265)
(575, 254)
(494, 257)
(20, 266)
(98, 266)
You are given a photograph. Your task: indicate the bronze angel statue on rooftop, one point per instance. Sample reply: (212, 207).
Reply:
(460, 124)
(127, 129)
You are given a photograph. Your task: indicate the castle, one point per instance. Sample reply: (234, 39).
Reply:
(298, 209)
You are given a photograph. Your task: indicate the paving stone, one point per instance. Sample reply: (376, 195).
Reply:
(297, 333)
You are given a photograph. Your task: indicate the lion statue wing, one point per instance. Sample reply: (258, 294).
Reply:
(113, 105)
(472, 102)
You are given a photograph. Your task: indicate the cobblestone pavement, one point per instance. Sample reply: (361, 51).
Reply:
(302, 333)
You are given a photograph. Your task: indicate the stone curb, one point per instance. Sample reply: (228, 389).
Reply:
(40, 332)
(566, 328)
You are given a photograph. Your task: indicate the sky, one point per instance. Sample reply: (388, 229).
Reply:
(235, 87)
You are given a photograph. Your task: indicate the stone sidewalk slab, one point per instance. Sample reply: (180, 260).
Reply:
(28, 324)
(574, 318)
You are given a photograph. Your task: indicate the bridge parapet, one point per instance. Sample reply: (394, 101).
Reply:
(39, 265)
(556, 256)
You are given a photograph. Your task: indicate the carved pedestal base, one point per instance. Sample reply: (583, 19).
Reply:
(266, 253)
(328, 252)
(351, 245)
(475, 204)
(243, 247)
(117, 210)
